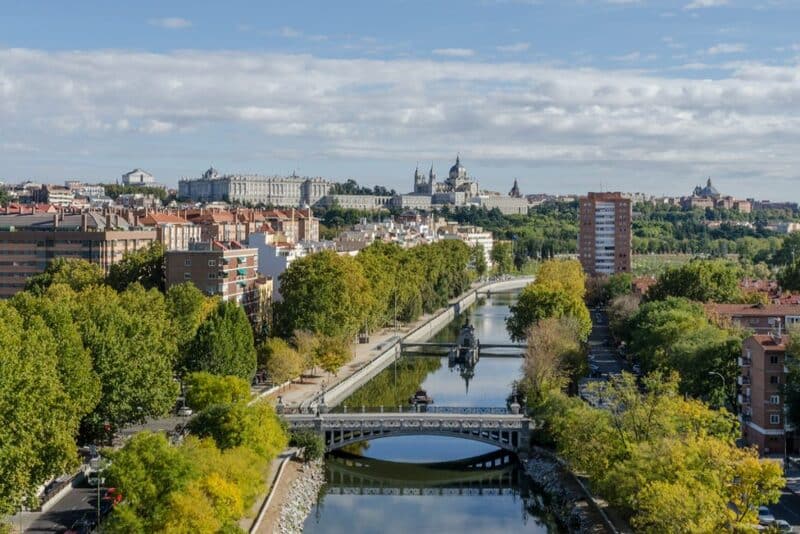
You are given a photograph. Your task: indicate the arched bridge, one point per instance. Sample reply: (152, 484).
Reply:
(498, 427)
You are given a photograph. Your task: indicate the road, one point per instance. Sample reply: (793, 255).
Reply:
(81, 500)
(603, 359)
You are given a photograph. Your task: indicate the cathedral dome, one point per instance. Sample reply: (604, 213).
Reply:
(458, 170)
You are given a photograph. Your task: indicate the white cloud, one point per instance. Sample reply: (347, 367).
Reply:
(454, 52)
(171, 23)
(701, 4)
(512, 113)
(513, 48)
(726, 48)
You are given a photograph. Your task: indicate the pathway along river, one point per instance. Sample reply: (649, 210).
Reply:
(418, 483)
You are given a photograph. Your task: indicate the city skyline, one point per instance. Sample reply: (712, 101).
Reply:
(554, 95)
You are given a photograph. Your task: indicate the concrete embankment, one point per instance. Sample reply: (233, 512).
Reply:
(389, 352)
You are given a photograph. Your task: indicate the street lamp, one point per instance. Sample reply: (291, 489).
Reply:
(723, 381)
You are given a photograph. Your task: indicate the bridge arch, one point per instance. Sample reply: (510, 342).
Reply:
(508, 440)
(505, 431)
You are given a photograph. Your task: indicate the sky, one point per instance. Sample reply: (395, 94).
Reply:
(566, 96)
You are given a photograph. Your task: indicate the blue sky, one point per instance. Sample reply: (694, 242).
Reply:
(567, 96)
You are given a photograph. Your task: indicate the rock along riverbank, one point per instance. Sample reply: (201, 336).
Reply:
(568, 501)
(301, 498)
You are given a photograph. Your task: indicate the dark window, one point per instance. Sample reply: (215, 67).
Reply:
(773, 359)
(774, 380)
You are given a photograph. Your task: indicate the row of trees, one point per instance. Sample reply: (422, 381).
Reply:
(205, 484)
(339, 296)
(667, 461)
(87, 360)
(558, 291)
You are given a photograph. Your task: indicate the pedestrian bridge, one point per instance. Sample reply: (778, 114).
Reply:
(494, 426)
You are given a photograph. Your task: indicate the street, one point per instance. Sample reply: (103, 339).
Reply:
(74, 505)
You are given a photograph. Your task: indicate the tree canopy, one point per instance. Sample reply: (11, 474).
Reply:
(699, 280)
(558, 291)
(224, 344)
(76, 273)
(145, 266)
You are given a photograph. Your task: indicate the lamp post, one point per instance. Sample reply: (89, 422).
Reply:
(723, 381)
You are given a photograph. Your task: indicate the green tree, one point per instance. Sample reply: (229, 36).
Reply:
(188, 309)
(789, 276)
(310, 442)
(537, 302)
(502, 257)
(326, 294)
(76, 273)
(479, 260)
(333, 353)
(132, 348)
(281, 361)
(255, 427)
(224, 344)
(38, 419)
(700, 280)
(306, 345)
(145, 266)
(146, 471)
(204, 389)
(56, 307)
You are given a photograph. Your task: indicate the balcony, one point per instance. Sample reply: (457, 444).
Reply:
(743, 398)
(745, 362)
(744, 380)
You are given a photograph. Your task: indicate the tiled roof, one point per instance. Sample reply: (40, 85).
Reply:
(769, 342)
(153, 219)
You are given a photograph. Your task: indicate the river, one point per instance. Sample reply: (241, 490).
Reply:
(422, 484)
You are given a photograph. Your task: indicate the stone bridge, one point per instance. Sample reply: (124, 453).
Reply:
(498, 427)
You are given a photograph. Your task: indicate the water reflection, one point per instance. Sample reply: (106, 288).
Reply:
(420, 483)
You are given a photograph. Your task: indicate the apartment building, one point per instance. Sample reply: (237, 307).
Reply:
(760, 398)
(174, 232)
(604, 240)
(758, 318)
(229, 270)
(28, 242)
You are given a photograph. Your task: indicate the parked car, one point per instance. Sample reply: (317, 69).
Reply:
(94, 478)
(782, 525)
(184, 411)
(765, 517)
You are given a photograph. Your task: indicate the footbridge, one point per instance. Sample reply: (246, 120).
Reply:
(495, 426)
(486, 350)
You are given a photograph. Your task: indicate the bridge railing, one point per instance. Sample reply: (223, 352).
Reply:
(464, 410)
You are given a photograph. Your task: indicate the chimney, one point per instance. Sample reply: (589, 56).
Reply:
(55, 220)
(84, 221)
(108, 221)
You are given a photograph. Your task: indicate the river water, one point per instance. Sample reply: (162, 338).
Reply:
(431, 483)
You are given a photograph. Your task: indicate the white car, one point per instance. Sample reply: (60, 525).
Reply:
(782, 525)
(765, 517)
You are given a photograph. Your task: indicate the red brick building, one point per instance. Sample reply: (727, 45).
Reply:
(225, 269)
(760, 396)
(604, 240)
(759, 318)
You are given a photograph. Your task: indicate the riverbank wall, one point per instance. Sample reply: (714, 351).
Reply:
(569, 500)
(390, 352)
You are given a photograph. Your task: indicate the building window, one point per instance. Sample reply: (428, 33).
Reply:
(212, 263)
(212, 276)
(187, 262)
(774, 419)
(774, 380)
(187, 276)
(773, 359)
(774, 399)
